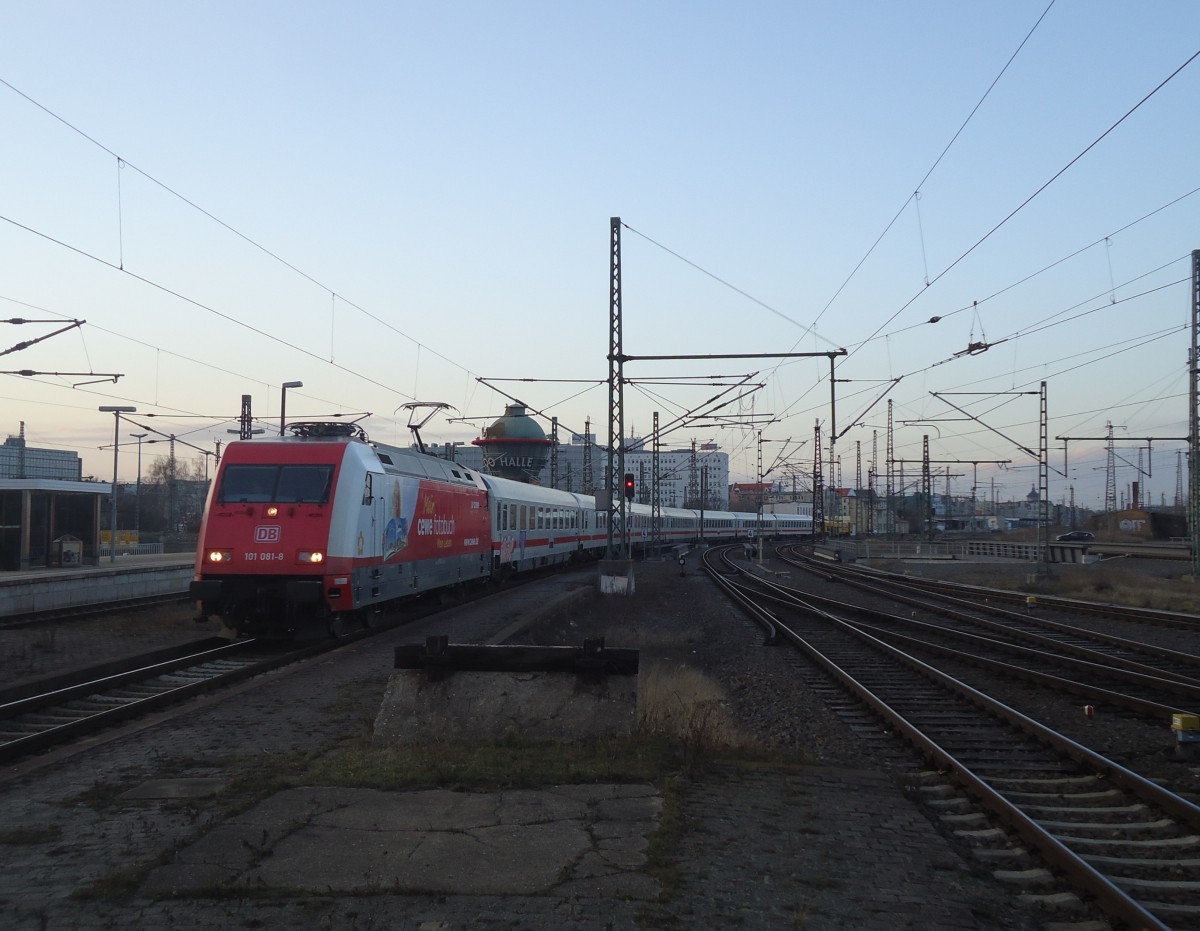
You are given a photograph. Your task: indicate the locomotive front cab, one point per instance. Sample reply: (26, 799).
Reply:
(264, 549)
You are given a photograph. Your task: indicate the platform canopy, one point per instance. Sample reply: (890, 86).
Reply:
(38, 516)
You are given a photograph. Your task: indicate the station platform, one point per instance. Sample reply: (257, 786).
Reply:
(127, 577)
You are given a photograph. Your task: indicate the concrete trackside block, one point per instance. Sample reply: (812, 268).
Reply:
(492, 705)
(616, 577)
(464, 692)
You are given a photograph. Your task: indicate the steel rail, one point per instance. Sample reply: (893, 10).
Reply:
(969, 611)
(1091, 692)
(1155, 616)
(1145, 676)
(127, 709)
(1114, 899)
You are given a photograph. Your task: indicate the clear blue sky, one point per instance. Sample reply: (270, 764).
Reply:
(388, 201)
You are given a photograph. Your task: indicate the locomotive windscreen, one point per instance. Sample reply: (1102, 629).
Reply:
(276, 484)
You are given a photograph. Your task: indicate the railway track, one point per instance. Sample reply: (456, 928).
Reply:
(37, 715)
(993, 597)
(965, 624)
(68, 710)
(1124, 840)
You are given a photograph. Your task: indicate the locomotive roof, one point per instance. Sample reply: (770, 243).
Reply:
(396, 460)
(401, 461)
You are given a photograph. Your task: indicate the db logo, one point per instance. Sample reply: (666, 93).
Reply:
(268, 534)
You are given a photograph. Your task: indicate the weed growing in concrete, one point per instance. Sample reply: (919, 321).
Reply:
(508, 763)
(685, 706)
(40, 834)
(116, 886)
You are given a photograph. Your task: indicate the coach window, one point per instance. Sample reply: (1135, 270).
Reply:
(524, 517)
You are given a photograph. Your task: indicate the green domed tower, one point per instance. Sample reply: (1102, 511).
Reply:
(515, 446)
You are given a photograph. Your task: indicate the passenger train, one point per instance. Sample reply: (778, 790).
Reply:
(325, 525)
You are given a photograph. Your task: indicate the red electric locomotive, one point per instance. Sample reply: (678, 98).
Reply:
(324, 525)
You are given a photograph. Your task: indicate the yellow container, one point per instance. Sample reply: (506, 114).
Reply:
(1185, 722)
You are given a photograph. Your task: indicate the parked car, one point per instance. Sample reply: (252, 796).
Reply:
(1075, 536)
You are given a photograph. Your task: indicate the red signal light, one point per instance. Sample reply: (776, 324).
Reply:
(629, 485)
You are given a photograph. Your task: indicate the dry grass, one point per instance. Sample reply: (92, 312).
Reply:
(1122, 587)
(1163, 587)
(688, 709)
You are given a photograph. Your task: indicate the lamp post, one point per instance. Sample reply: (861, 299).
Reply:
(137, 505)
(283, 400)
(117, 410)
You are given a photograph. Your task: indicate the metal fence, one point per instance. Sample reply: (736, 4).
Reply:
(132, 549)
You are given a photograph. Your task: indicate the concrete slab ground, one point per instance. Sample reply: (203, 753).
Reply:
(566, 841)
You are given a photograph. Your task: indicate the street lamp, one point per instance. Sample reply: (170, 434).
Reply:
(283, 400)
(137, 506)
(117, 410)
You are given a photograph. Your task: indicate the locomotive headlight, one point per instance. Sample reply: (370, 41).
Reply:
(220, 556)
(272, 511)
(310, 556)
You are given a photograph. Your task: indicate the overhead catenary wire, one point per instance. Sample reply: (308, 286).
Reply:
(929, 172)
(202, 306)
(1045, 268)
(1028, 200)
(124, 162)
(173, 412)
